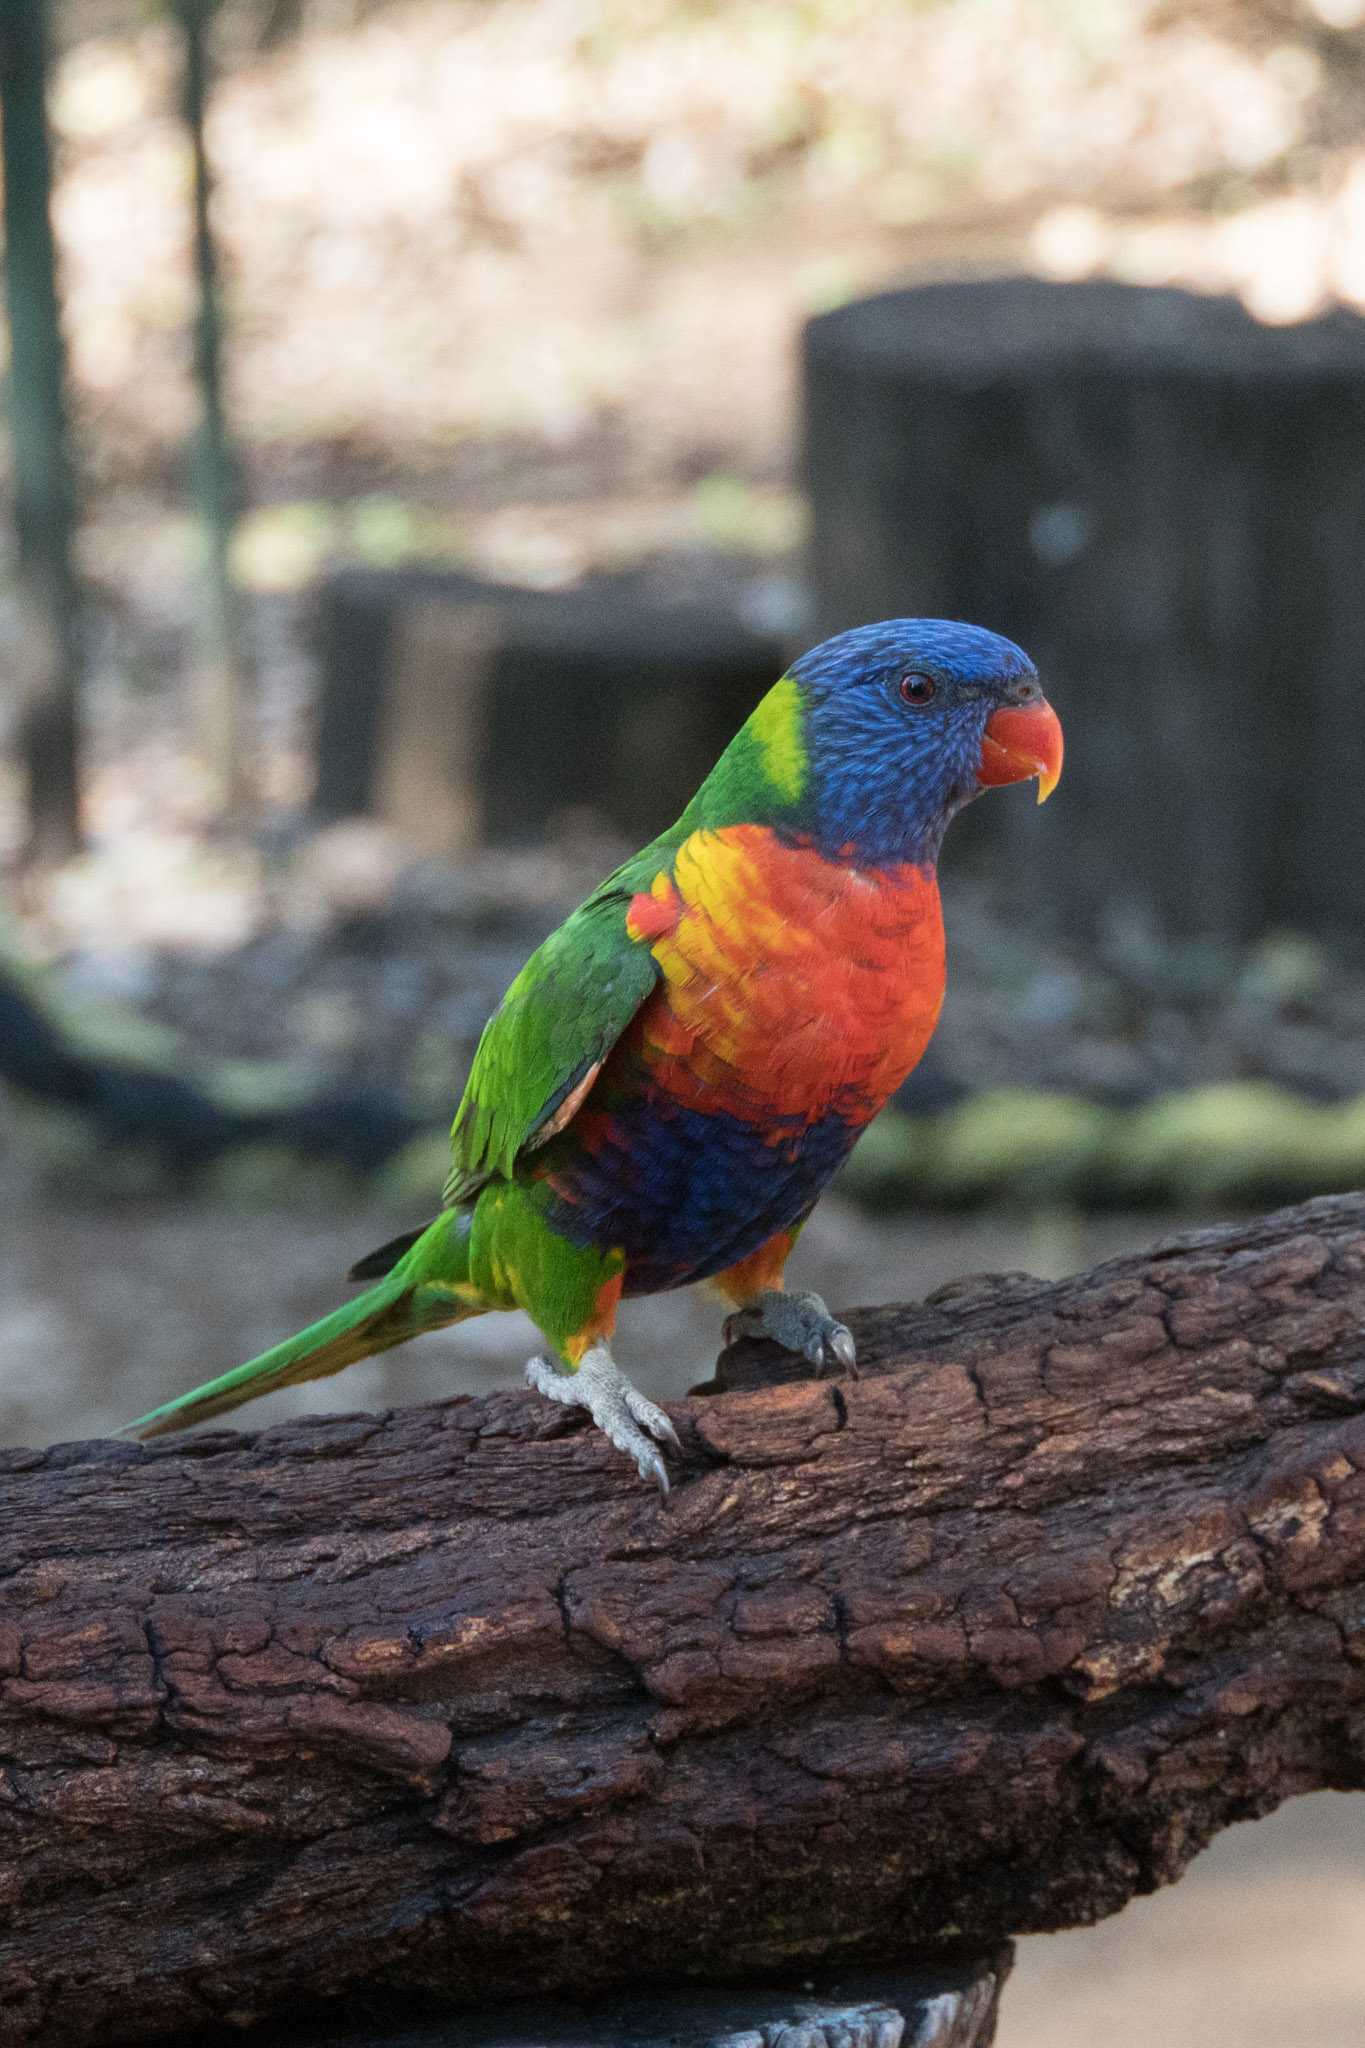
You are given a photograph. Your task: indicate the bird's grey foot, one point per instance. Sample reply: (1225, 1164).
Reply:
(600, 1386)
(798, 1322)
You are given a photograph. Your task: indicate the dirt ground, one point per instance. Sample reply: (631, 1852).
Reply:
(1262, 1945)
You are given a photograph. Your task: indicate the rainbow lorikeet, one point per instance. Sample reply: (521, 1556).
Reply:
(673, 1077)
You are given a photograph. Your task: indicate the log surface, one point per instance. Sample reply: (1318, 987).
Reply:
(444, 1701)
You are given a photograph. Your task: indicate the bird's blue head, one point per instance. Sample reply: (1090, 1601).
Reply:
(877, 738)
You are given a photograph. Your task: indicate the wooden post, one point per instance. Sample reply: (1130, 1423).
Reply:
(43, 508)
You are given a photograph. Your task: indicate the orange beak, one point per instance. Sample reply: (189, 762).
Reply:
(1021, 741)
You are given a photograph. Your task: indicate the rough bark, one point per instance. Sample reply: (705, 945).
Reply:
(446, 1702)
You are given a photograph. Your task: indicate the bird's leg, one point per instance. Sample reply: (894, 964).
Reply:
(798, 1322)
(600, 1386)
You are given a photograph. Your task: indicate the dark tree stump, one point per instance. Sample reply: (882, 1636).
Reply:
(1164, 502)
(445, 1703)
(355, 621)
(460, 710)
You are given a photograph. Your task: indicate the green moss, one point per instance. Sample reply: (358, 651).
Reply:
(273, 1177)
(890, 1166)
(1025, 1143)
(1237, 1141)
(114, 1032)
(1341, 1145)
(252, 1087)
(412, 1180)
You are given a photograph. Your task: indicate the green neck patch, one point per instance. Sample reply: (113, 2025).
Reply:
(775, 725)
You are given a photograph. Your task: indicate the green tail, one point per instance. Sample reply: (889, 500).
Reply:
(419, 1294)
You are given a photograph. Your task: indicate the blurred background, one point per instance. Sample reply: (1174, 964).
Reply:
(432, 423)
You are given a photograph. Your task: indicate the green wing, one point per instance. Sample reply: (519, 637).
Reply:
(552, 1030)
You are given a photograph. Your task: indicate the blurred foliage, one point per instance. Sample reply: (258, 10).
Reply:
(456, 221)
(285, 546)
(731, 513)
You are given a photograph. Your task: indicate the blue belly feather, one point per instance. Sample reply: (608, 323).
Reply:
(685, 1193)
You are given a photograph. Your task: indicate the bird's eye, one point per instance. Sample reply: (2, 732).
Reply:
(917, 688)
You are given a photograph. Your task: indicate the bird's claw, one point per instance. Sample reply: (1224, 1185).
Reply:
(840, 1341)
(800, 1323)
(619, 1410)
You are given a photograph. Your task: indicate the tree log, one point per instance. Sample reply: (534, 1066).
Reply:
(444, 1702)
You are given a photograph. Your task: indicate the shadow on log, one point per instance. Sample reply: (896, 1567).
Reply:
(950, 2004)
(444, 1703)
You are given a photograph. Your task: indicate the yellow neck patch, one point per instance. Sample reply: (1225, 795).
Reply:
(776, 727)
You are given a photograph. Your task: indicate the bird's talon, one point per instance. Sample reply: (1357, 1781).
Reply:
(653, 1467)
(652, 1418)
(844, 1349)
(622, 1414)
(799, 1323)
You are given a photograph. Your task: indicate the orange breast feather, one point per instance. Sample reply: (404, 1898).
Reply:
(793, 985)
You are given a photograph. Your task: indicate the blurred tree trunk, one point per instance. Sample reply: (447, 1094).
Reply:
(43, 508)
(220, 678)
(1163, 500)
(281, 21)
